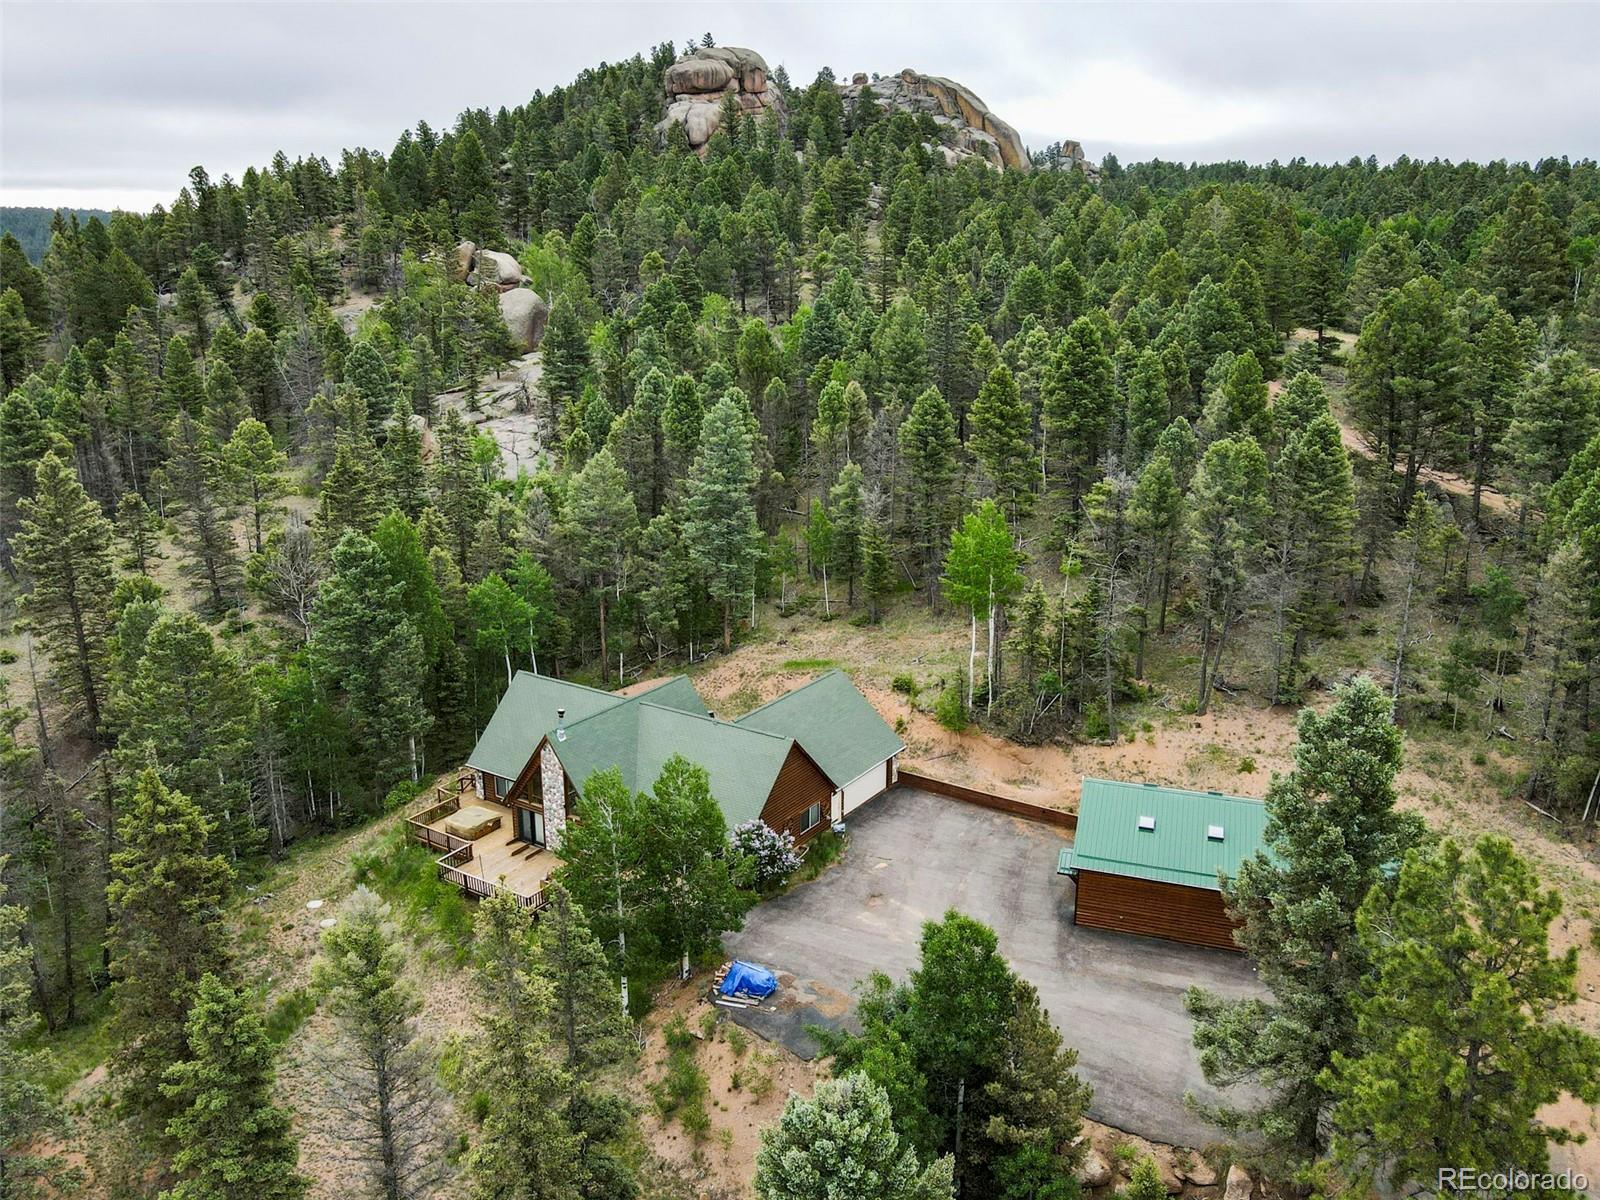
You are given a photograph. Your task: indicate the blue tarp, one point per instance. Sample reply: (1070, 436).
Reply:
(748, 979)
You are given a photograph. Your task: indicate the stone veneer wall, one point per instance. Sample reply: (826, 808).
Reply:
(552, 782)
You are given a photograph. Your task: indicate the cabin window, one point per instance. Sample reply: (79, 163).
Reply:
(811, 819)
(502, 785)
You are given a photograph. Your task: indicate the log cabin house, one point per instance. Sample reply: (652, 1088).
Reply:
(1146, 859)
(806, 759)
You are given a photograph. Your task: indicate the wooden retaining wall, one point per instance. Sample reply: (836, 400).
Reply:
(1060, 818)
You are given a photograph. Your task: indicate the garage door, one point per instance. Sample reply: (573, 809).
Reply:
(859, 791)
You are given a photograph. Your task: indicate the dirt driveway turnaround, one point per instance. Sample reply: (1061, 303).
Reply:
(1117, 998)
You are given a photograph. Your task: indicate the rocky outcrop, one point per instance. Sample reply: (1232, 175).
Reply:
(698, 83)
(521, 308)
(461, 262)
(970, 128)
(1067, 155)
(1094, 1171)
(498, 268)
(525, 314)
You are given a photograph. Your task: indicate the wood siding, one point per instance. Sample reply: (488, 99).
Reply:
(800, 784)
(1164, 910)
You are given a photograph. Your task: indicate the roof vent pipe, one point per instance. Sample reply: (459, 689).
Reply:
(561, 724)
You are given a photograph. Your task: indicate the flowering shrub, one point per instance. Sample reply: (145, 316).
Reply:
(770, 855)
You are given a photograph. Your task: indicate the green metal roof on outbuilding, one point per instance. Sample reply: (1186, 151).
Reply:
(835, 724)
(1170, 835)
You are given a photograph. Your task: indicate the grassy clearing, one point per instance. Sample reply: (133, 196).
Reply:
(433, 912)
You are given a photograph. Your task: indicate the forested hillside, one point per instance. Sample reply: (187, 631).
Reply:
(31, 226)
(1165, 440)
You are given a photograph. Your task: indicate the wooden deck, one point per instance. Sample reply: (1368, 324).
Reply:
(486, 864)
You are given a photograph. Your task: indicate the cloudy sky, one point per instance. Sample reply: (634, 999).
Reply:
(110, 104)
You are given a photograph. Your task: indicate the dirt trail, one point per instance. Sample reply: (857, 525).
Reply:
(1356, 442)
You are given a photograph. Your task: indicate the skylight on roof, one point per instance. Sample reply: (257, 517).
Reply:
(1214, 833)
(1148, 824)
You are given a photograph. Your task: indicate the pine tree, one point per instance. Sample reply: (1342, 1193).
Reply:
(524, 1147)
(1228, 509)
(1459, 674)
(166, 898)
(844, 1132)
(1028, 1118)
(565, 354)
(1552, 415)
(367, 648)
(1313, 547)
(27, 1113)
(1079, 397)
(877, 569)
(1405, 378)
(186, 708)
(405, 475)
(1332, 830)
(233, 1142)
(458, 487)
(600, 526)
(1523, 262)
(1155, 512)
(1419, 545)
(999, 439)
(182, 389)
(584, 1017)
(24, 440)
(928, 449)
(225, 402)
(64, 549)
(1147, 410)
(1387, 264)
(849, 527)
(720, 531)
(1461, 1042)
(255, 463)
(138, 526)
(1320, 301)
(379, 1069)
(197, 479)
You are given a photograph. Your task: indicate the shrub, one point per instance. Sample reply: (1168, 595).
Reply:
(950, 710)
(401, 795)
(904, 684)
(770, 856)
(1095, 726)
(1247, 765)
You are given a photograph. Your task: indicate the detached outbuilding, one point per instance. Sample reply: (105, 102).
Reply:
(1146, 859)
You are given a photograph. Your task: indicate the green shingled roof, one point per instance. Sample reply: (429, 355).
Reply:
(1179, 849)
(526, 713)
(829, 718)
(835, 723)
(638, 738)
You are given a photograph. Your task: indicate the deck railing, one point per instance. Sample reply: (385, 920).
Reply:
(458, 850)
(441, 804)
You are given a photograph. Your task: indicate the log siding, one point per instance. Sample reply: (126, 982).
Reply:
(799, 785)
(1122, 903)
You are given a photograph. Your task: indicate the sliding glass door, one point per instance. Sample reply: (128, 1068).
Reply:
(530, 826)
